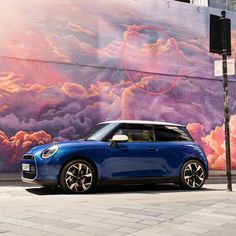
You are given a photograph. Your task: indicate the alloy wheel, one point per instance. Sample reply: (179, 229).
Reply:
(79, 177)
(194, 175)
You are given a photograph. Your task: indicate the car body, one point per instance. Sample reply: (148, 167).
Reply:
(120, 152)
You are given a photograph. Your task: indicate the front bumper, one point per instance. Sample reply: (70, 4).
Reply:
(35, 170)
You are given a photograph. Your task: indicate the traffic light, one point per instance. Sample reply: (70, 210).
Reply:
(220, 34)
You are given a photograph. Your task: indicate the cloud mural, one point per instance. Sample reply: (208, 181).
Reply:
(214, 143)
(17, 145)
(86, 64)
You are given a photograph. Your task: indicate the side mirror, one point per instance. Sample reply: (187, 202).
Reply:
(118, 139)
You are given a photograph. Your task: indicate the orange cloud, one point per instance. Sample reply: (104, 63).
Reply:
(74, 90)
(12, 83)
(14, 147)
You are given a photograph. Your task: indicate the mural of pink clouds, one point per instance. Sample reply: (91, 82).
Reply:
(15, 146)
(60, 75)
(214, 143)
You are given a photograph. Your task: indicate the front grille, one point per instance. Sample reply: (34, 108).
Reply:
(28, 157)
(28, 175)
(31, 173)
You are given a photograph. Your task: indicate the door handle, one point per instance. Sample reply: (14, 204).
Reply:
(152, 149)
(123, 147)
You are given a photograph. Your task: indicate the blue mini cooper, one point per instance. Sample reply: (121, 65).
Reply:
(123, 152)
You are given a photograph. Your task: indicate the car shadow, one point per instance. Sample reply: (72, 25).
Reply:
(115, 189)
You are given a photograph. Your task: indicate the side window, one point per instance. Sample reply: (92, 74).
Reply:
(137, 133)
(171, 133)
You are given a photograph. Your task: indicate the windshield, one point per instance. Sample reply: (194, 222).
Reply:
(100, 131)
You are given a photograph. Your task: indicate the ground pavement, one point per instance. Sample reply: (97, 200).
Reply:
(139, 210)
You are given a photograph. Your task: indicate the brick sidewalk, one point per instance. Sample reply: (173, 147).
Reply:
(158, 211)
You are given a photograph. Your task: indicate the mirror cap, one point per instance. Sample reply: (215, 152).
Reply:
(120, 138)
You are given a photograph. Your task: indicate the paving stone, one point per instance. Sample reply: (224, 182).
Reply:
(59, 231)
(19, 222)
(184, 227)
(20, 230)
(177, 222)
(225, 212)
(9, 234)
(98, 231)
(52, 222)
(202, 220)
(151, 231)
(138, 216)
(97, 211)
(149, 222)
(125, 217)
(126, 230)
(230, 202)
(229, 226)
(221, 232)
(119, 223)
(215, 216)
(103, 225)
(174, 232)
(50, 216)
(3, 231)
(81, 216)
(205, 226)
(168, 216)
(211, 218)
(128, 210)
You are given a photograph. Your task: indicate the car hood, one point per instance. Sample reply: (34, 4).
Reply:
(75, 143)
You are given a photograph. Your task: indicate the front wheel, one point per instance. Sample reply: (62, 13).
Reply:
(77, 176)
(192, 175)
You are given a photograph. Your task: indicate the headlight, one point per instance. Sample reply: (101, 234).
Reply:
(50, 151)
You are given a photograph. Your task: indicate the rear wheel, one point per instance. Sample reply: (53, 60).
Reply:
(192, 175)
(77, 176)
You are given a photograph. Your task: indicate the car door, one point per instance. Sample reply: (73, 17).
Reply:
(132, 159)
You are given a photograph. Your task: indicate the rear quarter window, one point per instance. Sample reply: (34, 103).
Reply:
(172, 133)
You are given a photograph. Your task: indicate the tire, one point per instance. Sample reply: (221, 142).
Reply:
(192, 175)
(77, 176)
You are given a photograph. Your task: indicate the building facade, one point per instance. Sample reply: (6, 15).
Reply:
(67, 65)
(221, 4)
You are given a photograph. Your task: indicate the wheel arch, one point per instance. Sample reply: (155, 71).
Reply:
(72, 158)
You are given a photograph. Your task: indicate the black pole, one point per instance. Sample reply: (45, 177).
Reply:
(226, 104)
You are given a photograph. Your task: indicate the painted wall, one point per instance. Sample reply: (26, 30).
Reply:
(66, 65)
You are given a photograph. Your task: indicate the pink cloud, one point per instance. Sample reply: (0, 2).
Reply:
(77, 28)
(69, 43)
(214, 143)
